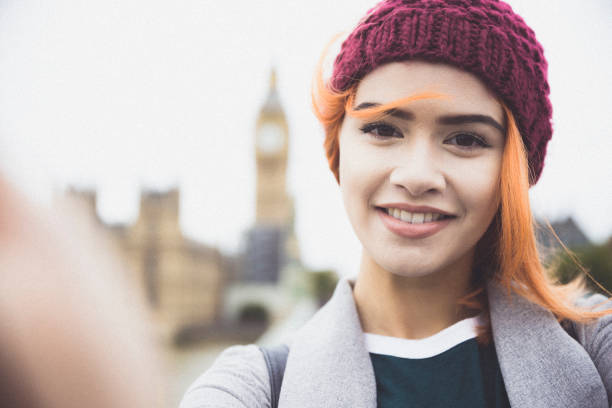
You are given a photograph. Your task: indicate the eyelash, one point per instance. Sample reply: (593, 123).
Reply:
(370, 127)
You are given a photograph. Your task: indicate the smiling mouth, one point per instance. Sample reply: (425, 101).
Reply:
(414, 217)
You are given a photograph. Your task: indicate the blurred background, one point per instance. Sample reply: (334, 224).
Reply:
(185, 128)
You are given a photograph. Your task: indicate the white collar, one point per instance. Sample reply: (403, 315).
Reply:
(438, 343)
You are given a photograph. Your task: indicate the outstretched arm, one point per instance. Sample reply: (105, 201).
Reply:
(237, 379)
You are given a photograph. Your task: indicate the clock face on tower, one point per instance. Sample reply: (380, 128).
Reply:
(270, 138)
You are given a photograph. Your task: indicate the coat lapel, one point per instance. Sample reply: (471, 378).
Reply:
(542, 366)
(328, 364)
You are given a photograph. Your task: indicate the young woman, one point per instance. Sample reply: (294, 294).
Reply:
(437, 119)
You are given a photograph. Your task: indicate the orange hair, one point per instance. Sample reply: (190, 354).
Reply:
(507, 251)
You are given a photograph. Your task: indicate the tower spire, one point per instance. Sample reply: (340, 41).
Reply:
(272, 105)
(272, 79)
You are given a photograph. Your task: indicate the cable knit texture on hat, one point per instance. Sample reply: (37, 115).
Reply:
(484, 37)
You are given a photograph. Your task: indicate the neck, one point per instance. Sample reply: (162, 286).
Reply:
(410, 307)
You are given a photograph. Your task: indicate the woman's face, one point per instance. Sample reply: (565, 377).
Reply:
(433, 163)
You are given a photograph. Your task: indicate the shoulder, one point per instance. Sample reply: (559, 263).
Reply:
(596, 336)
(237, 379)
(593, 333)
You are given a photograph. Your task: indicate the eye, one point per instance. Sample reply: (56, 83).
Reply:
(467, 141)
(381, 130)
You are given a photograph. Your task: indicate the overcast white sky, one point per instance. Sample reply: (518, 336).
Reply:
(123, 94)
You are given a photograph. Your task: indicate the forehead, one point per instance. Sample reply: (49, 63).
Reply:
(400, 79)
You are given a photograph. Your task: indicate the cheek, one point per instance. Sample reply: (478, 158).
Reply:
(358, 171)
(479, 187)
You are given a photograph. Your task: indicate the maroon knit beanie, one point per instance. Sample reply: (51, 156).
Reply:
(484, 37)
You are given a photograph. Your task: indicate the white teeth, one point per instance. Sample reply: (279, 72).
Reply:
(405, 216)
(418, 218)
(413, 218)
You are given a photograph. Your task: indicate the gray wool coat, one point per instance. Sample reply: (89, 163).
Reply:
(329, 366)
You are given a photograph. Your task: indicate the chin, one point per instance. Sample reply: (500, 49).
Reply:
(409, 268)
(403, 273)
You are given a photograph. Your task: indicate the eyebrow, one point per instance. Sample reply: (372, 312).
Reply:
(443, 120)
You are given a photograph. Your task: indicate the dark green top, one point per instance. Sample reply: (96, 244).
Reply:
(467, 375)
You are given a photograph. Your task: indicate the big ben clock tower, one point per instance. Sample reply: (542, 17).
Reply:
(271, 241)
(273, 204)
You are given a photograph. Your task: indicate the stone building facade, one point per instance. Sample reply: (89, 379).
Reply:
(183, 280)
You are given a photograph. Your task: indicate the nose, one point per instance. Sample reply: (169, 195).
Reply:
(418, 171)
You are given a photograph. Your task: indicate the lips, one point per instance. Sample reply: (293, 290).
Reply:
(413, 230)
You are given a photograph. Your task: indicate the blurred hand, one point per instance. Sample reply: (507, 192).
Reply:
(76, 332)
